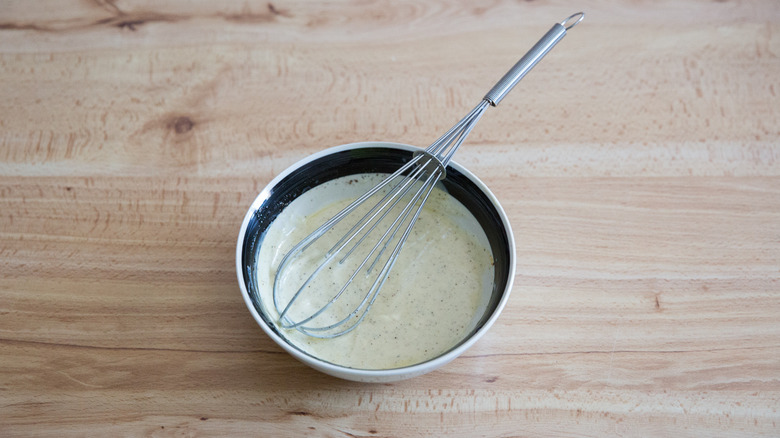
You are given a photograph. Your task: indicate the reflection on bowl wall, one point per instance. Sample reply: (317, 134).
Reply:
(371, 157)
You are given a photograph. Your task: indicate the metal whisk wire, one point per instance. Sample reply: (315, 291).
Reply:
(417, 177)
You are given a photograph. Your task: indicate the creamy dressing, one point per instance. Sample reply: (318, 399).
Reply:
(432, 299)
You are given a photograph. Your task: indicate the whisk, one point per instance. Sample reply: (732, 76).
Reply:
(321, 307)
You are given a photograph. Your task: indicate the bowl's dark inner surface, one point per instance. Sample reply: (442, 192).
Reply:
(371, 160)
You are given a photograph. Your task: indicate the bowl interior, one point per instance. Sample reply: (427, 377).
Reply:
(377, 159)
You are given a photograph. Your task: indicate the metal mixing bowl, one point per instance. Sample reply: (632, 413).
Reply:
(372, 157)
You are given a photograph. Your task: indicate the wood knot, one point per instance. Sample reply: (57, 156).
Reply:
(131, 25)
(182, 125)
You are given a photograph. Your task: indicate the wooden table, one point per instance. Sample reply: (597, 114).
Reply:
(639, 164)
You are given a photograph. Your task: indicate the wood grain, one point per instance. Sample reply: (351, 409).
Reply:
(639, 164)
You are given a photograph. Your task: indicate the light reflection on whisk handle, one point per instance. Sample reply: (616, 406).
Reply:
(530, 59)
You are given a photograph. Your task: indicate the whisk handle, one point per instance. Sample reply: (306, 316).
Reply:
(530, 59)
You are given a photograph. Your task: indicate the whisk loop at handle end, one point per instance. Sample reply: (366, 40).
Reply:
(370, 245)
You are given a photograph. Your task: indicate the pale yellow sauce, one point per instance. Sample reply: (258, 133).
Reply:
(433, 297)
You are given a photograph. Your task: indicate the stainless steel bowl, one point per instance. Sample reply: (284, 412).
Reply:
(372, 157)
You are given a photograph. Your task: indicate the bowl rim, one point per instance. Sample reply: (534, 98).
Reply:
(371, 374)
